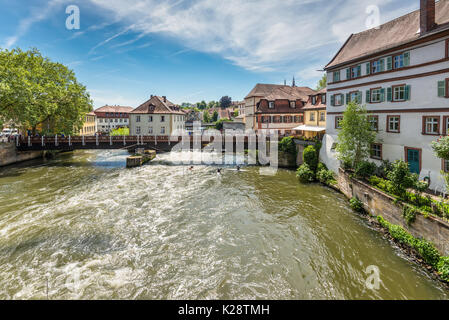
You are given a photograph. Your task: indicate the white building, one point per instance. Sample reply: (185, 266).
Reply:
(156, 117)
(112, 117)
(400, 71)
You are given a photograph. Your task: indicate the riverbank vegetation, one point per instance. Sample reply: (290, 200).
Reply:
(312, 170)
(120, 132)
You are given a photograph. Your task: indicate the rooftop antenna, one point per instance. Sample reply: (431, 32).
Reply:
(285, 82)
(293, 83)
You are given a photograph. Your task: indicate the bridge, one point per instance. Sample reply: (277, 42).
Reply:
(158, 143)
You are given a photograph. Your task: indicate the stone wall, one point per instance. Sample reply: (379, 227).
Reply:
(378, 203)
(9, 155)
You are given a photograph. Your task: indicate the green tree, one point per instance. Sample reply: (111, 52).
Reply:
(36, 92)
(310, 157)
(225, 102)
(441, 150)
(401, 178)
(322, 83)
(215, 116)
(355, 136)
(206, 117)
(219, 123)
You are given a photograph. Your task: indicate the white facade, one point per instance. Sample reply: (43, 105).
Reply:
(421, 115)
(156, 124)
(106, 125)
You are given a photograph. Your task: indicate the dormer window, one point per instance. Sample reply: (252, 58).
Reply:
(292, 104)
(323, 98)
(271, 104)
(314, 100)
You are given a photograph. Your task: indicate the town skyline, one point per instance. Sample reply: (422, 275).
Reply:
(188, 50)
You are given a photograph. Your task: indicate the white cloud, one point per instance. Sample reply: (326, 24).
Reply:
(259, 35)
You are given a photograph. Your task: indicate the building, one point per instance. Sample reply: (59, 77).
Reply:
(157, 116)
(275, 108)
(400, 70)
(314, 116)
(90, 125)
(112, 117)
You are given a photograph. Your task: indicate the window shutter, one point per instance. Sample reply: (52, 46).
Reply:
(359, 97)
(407, 92)
(348, 98)
(406, 59)
(359, 70)
(332, 100)
(348, 73)
(389, 94)
(441, 88)
(368, 96)
(382, 65)
(368, 68)
(389, 63)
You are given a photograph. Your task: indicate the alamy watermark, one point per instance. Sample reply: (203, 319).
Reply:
(73, 21)
(373, 281)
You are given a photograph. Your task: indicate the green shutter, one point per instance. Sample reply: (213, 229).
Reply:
(359, 97)
(348, 98)
(368, 68)
(407, 92)
(389, 63)
(382, 65)
(441, 88)
(348, 73)
(389, 94)
(332, 100)
(382, 95)
(359, 70)
(406, 59)
(368, 96)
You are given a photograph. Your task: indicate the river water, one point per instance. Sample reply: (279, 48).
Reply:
(84, 227)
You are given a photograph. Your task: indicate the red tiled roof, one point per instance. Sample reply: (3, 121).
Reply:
(114, 109)
(157, 105)
(392, 34)
(275, 92)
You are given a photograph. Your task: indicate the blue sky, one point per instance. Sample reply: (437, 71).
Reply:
(126, 50)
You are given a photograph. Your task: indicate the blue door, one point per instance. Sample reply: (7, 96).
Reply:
(413, 160)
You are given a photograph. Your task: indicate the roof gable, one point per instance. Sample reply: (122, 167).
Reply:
(157, 105)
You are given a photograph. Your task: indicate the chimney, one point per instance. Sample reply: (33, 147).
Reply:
(151, 96)
(165, 98)
(427, 15)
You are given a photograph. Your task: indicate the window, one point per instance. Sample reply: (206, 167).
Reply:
(338, 100)
(101, 120)
(322, 116)
(446, 166)
(399, 93)
(150, 119)
(443, 88)
(271, 105)
(312, 116)
(314, 100)
(376, 95)
(150, 130)
(338, 120)
(323, 98)
(393, 124)
(138, 119)
(378, 66)
(116, 120)
(446, 125)
(355, 96)
(292, 104)
(376, 151)
(162, 130)
(374, 122)
(138, 130)
(336, 76)
(162, 118)
(355, 72)
(431, 125)
(401, 60)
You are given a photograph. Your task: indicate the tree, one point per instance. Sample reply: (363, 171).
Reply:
(36, 92)
(201, 105)
(355, 136)
(441, 149)
(219, 123)
(310, 157)
(322, 83)
(225, 102)
(401, 178)
(215, 116)
(206, 117)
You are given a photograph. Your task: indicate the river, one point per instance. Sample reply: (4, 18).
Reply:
(83, 227)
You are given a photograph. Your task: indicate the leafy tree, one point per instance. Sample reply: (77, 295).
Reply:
(213, 104)
(310, 157)
(206, 117)
(201, 105)
(36, 92)
(219, 123)
(401, 178)
(322, 83)
(225, 102)
(441, 149)
(305, 174)
(287, 145)
(215, 116)
(355, 136)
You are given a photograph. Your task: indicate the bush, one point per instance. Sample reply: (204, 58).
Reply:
(356, 204)
(381, 184)
(325, 176)
(305, 174)
(384, 168)
(443, 268)
(365, 169)
(321, 166)
(287, 145)
(310, 157)
(409, 215)
(428, 251)
(401, 178)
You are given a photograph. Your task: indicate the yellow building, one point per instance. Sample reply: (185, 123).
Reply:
(90, 125)
(314, 116)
